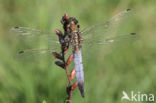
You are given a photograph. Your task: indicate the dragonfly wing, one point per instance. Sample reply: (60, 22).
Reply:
(106, 46)
(34, 53)
(104, 36)
(106, 29)
(33, 37)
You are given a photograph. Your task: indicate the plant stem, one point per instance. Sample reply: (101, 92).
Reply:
(70, 97)
(69, 79)
(68, 75)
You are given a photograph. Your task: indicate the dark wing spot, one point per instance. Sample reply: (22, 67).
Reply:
(16, 27)
(20, 52)
(133, 34)
(128, 9)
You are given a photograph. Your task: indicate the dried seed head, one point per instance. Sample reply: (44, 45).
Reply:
(58, 32)
(66, 16)
(74, 86)
(65, 50)
(72, 74)
(56, 55)
(60, 64)
(69, 60)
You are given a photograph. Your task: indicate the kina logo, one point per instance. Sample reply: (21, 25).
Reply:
(137, 96)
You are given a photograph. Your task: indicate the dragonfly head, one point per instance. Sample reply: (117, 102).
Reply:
(70, 24)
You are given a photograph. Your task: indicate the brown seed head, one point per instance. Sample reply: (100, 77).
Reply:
(70, 58)
(72, 74)
(74, 86)
(66, 16)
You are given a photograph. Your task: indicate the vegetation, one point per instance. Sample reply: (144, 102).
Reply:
(39, 80)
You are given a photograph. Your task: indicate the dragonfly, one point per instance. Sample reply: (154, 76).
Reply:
(102, 35)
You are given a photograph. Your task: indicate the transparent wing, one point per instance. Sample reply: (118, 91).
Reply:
(104, 37)
(106, 29)
(34, 37)
(106, 46)
(34, 53)
(27, 38)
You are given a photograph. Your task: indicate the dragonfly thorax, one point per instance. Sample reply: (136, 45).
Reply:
(71, 25)
(71, 31)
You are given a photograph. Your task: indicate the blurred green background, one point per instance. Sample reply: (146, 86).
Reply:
(132, 68)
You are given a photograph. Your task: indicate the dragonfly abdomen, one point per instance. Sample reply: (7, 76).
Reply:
(79, 71)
